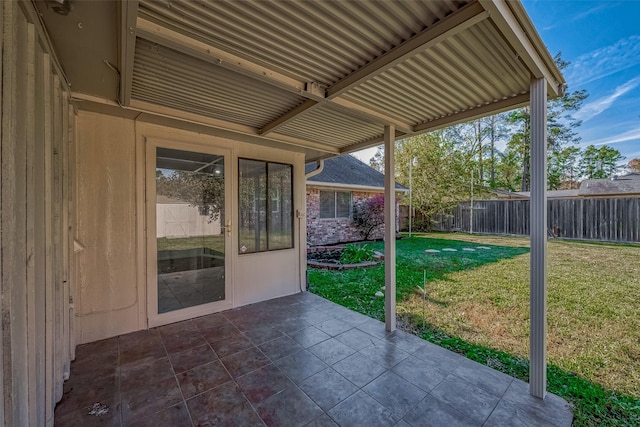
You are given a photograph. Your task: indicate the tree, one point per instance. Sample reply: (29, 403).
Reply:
(377, 161)
(634, 165)
(368, 215)
(442, 177)
(497, 131)
(561, 124)
(469, 138)
(509, 167)
(599, 162)
(563, 168)
(203, 190)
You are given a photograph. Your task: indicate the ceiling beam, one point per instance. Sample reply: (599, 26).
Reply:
(288, 116)
(167, 37)
(240, 132)
(343, 105)
(148, 107)
(366, 113)
(473, 113)
(458, 21)
(528, 46)
(439, 123)
(128, 17)
(368, 143)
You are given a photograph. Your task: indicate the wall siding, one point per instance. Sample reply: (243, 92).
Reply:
(35, 210)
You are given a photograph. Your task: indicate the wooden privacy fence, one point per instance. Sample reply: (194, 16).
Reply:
(615, 219)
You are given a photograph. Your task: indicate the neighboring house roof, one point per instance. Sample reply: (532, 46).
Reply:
(551, 194)
(619, 185)
(626, 185)
(348, 171)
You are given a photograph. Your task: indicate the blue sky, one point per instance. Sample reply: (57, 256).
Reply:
(601, 40)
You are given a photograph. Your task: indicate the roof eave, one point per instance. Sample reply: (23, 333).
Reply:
(366, 188)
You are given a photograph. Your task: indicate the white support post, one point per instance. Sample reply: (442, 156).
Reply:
(538, 226)
(389, 230)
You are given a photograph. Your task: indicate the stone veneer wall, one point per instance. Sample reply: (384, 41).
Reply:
(328, 231)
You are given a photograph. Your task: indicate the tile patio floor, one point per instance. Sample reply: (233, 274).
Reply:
(297, 360)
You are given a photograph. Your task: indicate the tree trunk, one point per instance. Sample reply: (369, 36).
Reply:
(526, 148)
(493, 150)
(480, 152)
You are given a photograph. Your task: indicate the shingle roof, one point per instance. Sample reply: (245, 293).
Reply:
(618, 186)
(551, 194)
(348, 170)
(626, 184)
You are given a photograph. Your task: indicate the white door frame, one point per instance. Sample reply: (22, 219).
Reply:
(154, 318)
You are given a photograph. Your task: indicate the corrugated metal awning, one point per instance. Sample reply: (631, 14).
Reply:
(328, 75)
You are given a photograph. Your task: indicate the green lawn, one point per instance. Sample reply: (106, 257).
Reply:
(478, 305)
(210, 242)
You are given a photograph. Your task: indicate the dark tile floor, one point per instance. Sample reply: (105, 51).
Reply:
(292, 361)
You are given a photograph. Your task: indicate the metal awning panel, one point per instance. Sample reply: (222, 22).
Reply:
(166, 77)
(470, 69)
(330, 126)
(323, 75)
(314, 41)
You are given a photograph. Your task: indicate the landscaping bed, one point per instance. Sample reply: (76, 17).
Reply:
(333, 257)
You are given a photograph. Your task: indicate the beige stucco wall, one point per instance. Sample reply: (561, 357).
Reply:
(112, 297)
(108, 297)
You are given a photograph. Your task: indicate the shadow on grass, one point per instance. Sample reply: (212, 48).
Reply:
(593, 405)
(355, 288)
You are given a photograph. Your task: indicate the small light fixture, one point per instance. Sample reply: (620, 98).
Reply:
(61, 7)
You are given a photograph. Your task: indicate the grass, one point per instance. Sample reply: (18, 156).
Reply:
(211, 242)
(478, 305)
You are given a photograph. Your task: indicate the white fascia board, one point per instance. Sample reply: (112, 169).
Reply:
(333, 185)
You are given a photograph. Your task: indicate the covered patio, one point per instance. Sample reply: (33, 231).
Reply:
(93, 93)
(296, 360)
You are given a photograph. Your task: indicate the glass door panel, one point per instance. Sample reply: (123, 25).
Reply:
(190, 228)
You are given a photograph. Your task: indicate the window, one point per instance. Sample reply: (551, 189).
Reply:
(266, 206)
(335, 204)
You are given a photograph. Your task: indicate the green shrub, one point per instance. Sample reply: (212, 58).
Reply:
(353, 254)
(423, 225)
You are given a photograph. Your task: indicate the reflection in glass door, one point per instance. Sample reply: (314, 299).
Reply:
(190, 229)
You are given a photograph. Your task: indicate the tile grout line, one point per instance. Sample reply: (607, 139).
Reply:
(234, 379)
(119, 387)
(499, 400)
(175, 377)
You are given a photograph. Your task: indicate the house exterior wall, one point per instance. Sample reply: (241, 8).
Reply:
(328, 231)
(183, 220)
(109, 295)
(37, 222)
(113, 285)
